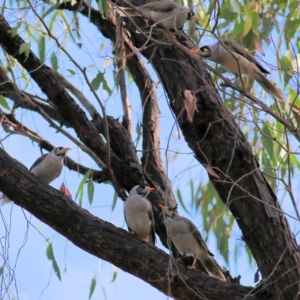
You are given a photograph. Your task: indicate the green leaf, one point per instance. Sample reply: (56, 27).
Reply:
(50, 255)
(179, 197)
(81, 186)
(54, 61)
(92, 287)
(101, 79)
(291, 28)
(234, 7)
(114, 201)
(25, 48)
(97, 81)
(115, 274)
(90, 190)
(42, 42)
(51, 9)
(287, 65)
(103, 8)
(71, 71)
(3, 102)
(14, 31)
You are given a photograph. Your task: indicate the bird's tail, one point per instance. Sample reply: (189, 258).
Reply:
(127, 11)
(270, 88)
(211, 268)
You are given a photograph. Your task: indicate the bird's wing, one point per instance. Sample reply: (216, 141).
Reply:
(129, 229)
(197, 236)
(162, 6)
(151, 217)
(243, 52)
(38, 161)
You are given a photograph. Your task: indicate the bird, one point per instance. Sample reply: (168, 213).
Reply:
(188, 240)
(167, 14)
(139, 215)
(47, 167)
(235, 59)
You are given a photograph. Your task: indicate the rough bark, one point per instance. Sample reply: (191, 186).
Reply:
(103, 239)
(216, 140)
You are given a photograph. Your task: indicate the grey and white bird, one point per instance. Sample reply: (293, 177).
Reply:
(235, 59)
(167, 14)
(139, 215)
(47, 167)
(188, 240)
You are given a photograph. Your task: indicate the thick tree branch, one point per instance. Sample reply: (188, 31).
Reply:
(103, 239)
(242, 186)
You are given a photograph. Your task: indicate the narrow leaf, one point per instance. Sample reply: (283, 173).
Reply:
(50, 255)
(90, 190)
(92, 287)
(115, 274)
(3, 102)
(54, 61)
(179, 197)
(114, 202)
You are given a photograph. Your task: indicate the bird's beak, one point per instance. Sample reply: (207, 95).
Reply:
(66, 149)
(196, 18)
(149, 189)
(195, 51)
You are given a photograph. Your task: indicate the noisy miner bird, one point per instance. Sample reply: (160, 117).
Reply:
(47, 167)
(235, 59)
(139, 215)
(167, 14)
(188, 240)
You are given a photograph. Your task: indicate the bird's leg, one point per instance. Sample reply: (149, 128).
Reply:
(192, 266)
(131, 232)
(146, 239)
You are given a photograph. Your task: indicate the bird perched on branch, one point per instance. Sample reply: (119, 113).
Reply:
(47, 167)
(167, 14)
(188, 240)
(139, 215)
(235, 59)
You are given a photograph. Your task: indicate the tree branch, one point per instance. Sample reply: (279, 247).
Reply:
(103, 239)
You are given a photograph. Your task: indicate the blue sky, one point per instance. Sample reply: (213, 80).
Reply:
(25, 246)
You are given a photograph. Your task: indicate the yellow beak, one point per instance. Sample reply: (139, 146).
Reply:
(195, 51)
(196, 18)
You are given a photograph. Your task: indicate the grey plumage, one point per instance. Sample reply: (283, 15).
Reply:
(188, 240)
(166, 14)
(47, 167)
(139, 215)
(235, 59)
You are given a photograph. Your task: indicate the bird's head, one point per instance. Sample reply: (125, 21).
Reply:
(204, 51)
(168, 212)
(60, 151)
(142, 190)
(193, 17)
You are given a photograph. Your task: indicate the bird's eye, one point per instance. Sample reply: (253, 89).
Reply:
(204, 49)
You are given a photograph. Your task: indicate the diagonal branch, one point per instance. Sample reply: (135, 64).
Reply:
(103, 239)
